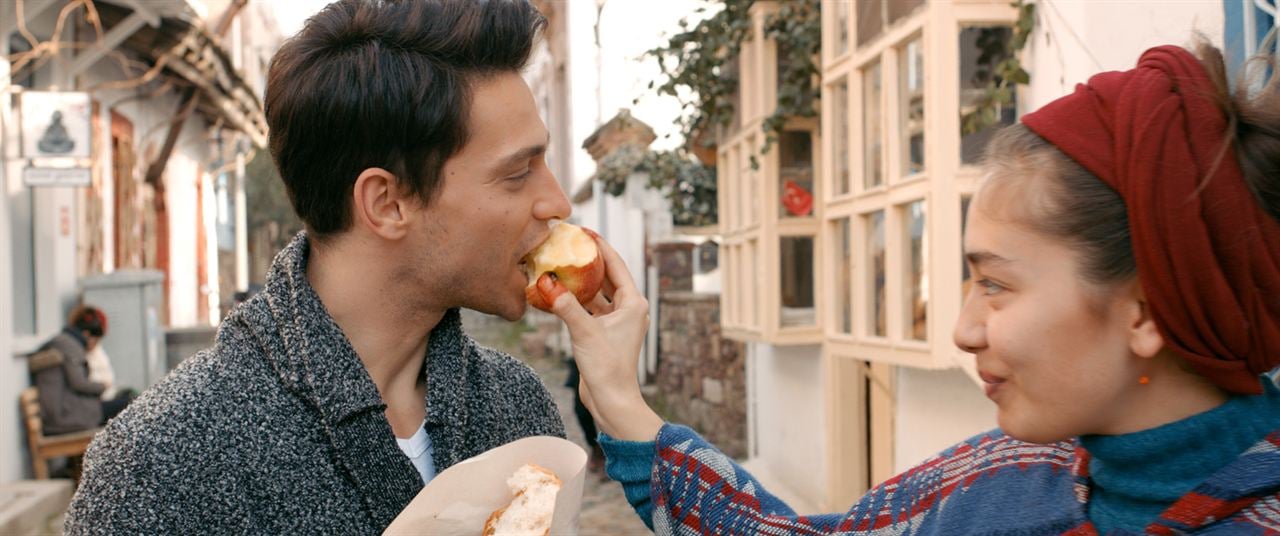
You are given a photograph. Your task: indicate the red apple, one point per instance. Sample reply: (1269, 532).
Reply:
(569, 256)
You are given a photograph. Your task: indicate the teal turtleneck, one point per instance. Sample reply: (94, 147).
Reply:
(1137, 476)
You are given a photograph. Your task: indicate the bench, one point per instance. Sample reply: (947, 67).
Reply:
(43, 448)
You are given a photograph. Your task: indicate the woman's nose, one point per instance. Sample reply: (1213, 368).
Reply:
(970, 333)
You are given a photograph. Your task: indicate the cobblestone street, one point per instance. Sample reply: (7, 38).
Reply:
(605, 511)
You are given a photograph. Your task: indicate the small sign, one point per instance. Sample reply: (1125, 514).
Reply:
(33, 176)
(56, 124)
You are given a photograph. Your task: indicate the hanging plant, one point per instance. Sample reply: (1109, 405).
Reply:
(689, 186)
(999, 69)
(796, 28)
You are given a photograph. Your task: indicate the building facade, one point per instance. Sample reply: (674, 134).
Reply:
(846, 304)
(173, 90)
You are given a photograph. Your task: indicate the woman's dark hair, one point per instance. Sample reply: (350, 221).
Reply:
(384, 83)
(1077, 206)
(88, 319)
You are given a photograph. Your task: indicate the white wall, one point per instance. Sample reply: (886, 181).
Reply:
(788, 422)
(191, 155)
(936, 409)
(13, 374)
(1078, 38)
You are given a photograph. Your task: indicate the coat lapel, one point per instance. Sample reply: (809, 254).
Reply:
(315, 361)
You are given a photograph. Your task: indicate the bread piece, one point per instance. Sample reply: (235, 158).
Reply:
(530, 511)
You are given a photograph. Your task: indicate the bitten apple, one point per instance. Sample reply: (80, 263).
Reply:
(569, 256)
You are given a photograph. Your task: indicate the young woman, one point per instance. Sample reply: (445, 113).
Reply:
(1125, 248)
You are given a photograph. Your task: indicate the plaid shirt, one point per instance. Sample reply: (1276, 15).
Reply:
(990, 484)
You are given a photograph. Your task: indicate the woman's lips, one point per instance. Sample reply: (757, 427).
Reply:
(992, 383)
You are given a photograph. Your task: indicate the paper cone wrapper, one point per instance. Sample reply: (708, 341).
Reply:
(458, 501)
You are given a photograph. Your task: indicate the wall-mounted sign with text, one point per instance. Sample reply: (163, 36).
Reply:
(55, 124)
(44, 176)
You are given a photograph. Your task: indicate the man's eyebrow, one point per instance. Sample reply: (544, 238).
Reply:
(979, 258)
(523, 154)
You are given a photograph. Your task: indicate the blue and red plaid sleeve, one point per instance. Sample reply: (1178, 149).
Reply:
(696, 489)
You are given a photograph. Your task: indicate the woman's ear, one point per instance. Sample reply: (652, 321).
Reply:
(379, 205)
(1145, 339)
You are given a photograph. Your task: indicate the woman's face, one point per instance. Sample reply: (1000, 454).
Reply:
(1053, 350)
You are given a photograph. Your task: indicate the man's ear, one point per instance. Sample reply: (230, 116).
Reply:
(1145, 339)
(380, 204)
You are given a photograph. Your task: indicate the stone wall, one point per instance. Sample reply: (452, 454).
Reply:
(701, 377)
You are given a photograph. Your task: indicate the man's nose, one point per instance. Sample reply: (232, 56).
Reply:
(552, 203)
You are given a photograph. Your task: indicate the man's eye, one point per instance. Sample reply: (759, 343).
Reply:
(522, 176)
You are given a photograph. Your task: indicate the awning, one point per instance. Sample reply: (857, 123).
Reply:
(172, 33)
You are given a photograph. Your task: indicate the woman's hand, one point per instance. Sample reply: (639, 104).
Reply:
(607, 335)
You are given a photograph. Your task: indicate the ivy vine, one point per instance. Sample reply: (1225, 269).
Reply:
(999, 69)
(689, 186)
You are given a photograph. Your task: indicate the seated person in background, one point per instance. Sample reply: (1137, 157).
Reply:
(114, 397)
(69, 400)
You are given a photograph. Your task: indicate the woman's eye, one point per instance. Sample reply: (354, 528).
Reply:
(989, 287)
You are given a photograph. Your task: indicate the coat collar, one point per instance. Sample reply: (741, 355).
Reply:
(316, 362)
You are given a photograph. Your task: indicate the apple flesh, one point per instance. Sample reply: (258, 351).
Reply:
(569, 256)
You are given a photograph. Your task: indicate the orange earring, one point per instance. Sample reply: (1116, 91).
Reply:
(1144, 379)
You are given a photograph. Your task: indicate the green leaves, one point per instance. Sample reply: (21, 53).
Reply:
(699, 67)
(690, 187)
(999, 66)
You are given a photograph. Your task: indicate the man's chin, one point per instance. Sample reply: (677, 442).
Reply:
(510, 312)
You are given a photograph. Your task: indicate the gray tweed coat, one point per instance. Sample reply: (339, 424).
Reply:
(278, 428)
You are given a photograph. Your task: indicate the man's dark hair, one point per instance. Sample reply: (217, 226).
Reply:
(384, 83)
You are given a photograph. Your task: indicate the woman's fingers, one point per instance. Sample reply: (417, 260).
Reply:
(616, 273)
(599, 305)
(565, 306)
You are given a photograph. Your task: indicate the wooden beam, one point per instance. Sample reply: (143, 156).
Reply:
(31, 10)
(152, 17)
(118, 33)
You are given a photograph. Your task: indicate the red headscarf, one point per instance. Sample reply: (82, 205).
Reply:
(1208, 255)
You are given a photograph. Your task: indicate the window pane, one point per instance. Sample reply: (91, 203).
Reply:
(875, 273)
(795, 173)
(796, 255)
(730, 71)
(901, 8)
(870, 20)
(912, 113)
(844, 276)
(842, 27)
(981, 50)
(749, 281)
(749, 202)
(782, 57)
(840, 135)
(871, 129)
(917, 262)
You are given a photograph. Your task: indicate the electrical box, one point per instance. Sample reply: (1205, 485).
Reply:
(135, 340)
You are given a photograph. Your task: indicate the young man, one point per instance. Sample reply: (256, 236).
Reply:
(413, 152)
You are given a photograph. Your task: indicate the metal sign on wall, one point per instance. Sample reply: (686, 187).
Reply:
(55, 124)
(56, 137)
